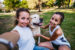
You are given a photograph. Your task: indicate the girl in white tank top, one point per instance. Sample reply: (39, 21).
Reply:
(57, 39)
(61, 40)
(26, 40)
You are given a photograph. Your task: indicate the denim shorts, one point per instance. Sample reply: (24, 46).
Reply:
(40, 48)
(57, 46)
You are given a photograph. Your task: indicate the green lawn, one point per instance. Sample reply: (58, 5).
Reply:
(68, 26)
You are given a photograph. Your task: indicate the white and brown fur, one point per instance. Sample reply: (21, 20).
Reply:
(35, 25)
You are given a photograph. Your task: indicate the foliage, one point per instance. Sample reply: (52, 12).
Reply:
(50, 3)
(23, 4)
(59, 3)
(14, 4)
(67, 3)
(74, 4)
(63, 3)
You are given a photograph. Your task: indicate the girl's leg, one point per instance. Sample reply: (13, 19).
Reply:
(46, 44)
(64, 47)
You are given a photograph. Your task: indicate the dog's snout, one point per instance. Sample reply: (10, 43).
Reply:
(34, 17)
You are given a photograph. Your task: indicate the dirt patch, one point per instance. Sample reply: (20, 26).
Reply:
(6, 24)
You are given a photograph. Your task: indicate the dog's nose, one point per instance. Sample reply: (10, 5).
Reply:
(41, 20)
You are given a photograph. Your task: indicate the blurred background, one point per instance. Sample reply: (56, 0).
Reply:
(45, 8)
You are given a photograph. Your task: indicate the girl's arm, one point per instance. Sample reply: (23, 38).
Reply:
(47, 38)
(56, 34)
(40, 35)
(44, 27)
(53, 37)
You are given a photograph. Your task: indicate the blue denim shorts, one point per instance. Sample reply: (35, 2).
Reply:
(57, 46)
(40, 48)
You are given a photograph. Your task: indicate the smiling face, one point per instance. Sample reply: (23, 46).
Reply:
(55, 20)
(23, 19)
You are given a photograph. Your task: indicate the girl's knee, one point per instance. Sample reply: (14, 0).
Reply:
(40, 44)
(63, 48)
(44, 44)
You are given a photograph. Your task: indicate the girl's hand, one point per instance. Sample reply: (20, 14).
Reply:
(44, 27)
(41, 26)
(38, 34)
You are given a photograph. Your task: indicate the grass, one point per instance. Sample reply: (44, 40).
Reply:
(68, 25)
(5, 24)
(1, 11)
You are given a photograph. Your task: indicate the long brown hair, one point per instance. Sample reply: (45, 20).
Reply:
(17, 13)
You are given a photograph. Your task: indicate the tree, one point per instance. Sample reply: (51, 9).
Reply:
(59, 3)
(11, 4)
(68, 3)
(39, 3)
(50, 3)
(23, 4)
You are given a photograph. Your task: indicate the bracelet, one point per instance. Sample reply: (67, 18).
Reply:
(7, 43)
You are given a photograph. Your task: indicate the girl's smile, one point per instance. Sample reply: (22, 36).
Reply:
(55, 20)
(23, 19)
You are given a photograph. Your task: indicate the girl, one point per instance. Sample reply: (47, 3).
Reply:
(26, 40)
(57, 38)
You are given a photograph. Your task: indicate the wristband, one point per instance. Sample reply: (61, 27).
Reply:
(7, 43)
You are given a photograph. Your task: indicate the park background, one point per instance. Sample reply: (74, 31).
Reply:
(45, 8)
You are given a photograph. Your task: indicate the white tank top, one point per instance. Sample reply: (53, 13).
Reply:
(61, 40)
(26, 40)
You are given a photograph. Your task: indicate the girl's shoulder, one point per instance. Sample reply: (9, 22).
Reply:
(59, 31)
(16, 28)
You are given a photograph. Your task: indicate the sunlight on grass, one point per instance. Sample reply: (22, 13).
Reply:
(60, 10)
(69, 11)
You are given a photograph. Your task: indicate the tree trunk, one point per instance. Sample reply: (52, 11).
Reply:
(39, 3)
(68, 3)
